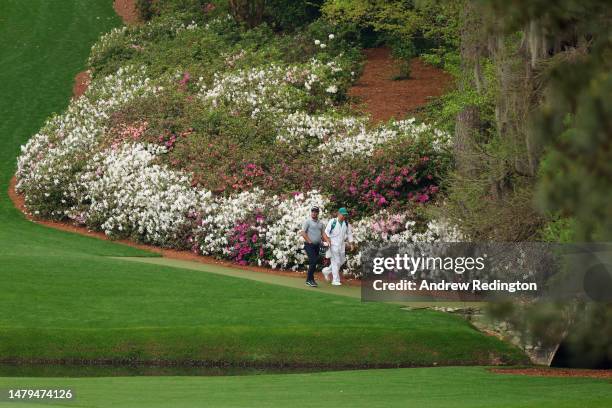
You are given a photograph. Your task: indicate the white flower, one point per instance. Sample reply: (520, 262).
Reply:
(47, 161)
(317, 42)
(323, 45)
(331, 89)
(331, 36)
(363, 142)
(121, 191)
(392, 228)
(300, 127)
(273, 89)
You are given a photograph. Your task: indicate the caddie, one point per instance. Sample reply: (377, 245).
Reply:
(336, 234)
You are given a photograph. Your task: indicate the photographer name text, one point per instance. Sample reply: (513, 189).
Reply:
(474, 285)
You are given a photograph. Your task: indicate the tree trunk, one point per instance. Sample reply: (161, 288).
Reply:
(468, 122)
(250, 12)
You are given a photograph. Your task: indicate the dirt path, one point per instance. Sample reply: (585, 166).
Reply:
(383, 98)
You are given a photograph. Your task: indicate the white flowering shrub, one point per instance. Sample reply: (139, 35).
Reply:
(253, 91)
(51, 158)
(275, 223)
(273, 89)
(303, 129)
(123, 193)
(219, 217)
(363, 142)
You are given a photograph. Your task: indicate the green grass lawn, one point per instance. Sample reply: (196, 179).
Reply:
(73, 307)
(413, 387)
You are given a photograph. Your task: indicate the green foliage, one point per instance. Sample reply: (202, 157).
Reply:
(471, 201)
(573, 122)
(159, 46)
(429, 28)
(290, 15)
(403, 50)
(569, 45)
(576, 170)
(145, 9)
(397, 17)
(588, 341)
(213, 44)
(444, 110)
(559, 229)
(397, 21)
(439, 34)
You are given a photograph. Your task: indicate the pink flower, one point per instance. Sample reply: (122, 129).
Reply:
(185, 80)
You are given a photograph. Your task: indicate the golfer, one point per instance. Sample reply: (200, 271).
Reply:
(337, 232)
(312, 231)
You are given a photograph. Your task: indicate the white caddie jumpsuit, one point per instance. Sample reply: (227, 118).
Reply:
(341, 233)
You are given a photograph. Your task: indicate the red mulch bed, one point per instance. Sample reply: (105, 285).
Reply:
(383, 98)
(127, 11)
(555, 372)
(81, 83)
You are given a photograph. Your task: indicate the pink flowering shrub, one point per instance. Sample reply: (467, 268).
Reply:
(246, 241)
(399, 175)
(389, 225)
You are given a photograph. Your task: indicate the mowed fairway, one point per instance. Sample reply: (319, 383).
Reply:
(469, 387)
(62, 297)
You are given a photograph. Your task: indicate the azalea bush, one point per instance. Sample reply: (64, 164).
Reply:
(403, 172)
(199, 134)
(123, 193)
(52, 158)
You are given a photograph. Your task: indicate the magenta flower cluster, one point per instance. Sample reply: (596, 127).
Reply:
(246, 241)
(379, 187)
